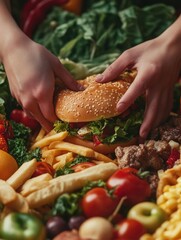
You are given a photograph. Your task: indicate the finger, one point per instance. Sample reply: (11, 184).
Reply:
(34, 110)
(47, 126)
(47, 107)
(136, 89)
(62, 74)
(165, 107)
(119, 65)
(151, 113)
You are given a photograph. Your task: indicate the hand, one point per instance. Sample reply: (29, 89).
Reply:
(32, 71)
(158, 66)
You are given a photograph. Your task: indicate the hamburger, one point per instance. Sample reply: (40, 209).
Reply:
(91, 117)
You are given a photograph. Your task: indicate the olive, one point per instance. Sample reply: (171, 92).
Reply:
(55, 225)
(75, 222)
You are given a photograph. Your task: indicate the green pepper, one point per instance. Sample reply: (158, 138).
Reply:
(21, 226)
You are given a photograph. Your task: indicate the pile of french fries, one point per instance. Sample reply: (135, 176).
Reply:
(24, 193)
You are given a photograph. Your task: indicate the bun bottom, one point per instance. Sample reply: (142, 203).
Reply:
(101, 148)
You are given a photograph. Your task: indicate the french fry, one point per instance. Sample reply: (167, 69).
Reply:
(23, 173)
(84, 151)
(52, 132)
(34, 188)
(49, 139)
(49, 155)
(34, 184)
(40, 135)
(61, 160)
(70, 147)
(7, 193)
(51, 152)
(102, 157)
(19, 204)
(69, 183)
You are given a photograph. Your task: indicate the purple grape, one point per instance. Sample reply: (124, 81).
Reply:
(55, 225)
(75, 222)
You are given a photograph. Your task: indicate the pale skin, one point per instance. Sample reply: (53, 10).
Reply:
(158, 64)
(31, 70)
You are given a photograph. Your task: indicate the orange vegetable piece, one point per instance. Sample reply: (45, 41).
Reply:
(8, 165)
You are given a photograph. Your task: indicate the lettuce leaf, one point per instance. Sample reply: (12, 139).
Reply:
(103, 31)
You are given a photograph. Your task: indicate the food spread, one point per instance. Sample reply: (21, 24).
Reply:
(60, 189)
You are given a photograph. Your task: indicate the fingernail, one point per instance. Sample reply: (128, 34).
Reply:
(143, 135)
(81, 88)
(99, 77)
(121, 106)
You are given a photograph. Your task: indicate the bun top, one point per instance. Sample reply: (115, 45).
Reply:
(97, 101)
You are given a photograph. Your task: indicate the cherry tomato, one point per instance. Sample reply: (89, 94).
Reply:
(129, 185)
(130, 170)
(81, 166)
(43, 167)
(97, 202)
(129, 229)
(20, 116)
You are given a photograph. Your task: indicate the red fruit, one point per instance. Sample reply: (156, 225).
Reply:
(6, 129)
(2, 129)
(3, 143)
(20, 116)
(174, 156)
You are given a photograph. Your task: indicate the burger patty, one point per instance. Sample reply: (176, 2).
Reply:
(149, 156)
(171, 130)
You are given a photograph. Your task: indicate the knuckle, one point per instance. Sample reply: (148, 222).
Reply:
(126, 54)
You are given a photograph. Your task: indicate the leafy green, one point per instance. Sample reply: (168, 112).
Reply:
(68, 166)
(103, 31)
(78, 70)
(67, 205)
(110, 130)
(60, 126)
(20, 131)
(18, 146)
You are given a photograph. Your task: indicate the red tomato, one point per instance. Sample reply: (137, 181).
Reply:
(97, 202)
(20, 116)
(81, 166)
(43, 167)
(130, 170)
(129, 229)
(129, 185)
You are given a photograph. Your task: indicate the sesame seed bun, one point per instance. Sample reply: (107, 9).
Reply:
(97, 101)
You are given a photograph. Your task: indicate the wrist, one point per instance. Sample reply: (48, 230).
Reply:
(9, 30)
(171, 38)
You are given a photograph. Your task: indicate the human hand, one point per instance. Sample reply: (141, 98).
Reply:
(158, 66)
(32, 71)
